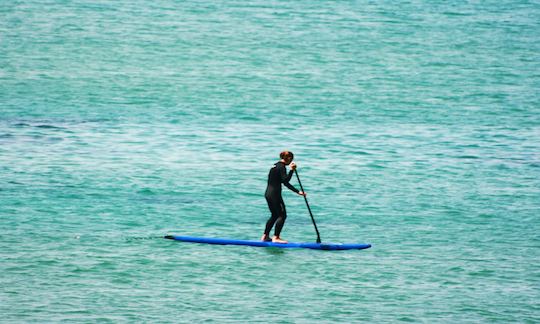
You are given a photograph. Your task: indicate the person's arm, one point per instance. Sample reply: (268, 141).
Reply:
(290, 186)
(285, 178)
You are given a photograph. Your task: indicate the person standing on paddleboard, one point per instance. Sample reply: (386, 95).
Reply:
(277, 176)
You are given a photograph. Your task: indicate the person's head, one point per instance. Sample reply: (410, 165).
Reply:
(287, 157)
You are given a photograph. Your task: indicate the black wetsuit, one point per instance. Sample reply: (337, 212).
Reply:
(277, 176)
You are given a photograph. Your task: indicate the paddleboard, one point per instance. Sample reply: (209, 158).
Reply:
(315, 246)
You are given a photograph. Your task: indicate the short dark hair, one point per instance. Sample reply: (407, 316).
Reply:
(286, 154)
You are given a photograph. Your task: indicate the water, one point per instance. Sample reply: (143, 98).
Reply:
(416, 128)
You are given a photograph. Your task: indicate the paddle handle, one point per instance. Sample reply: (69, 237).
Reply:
(309, 209)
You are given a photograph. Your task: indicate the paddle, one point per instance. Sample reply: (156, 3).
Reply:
(309, 209)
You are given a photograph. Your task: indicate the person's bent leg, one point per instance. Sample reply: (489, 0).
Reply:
(274, 209)
(279, 225)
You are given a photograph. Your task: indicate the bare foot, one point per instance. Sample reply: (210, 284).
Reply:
(265, 238)
(277, 239)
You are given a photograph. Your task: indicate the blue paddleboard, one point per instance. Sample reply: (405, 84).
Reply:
(315, 246)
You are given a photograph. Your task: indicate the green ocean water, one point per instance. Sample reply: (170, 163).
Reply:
(415, 125)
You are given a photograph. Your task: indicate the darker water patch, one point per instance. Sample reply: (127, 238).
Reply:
(46, 126)
(146, 191)
(456, 14)
(407, 319)
(21, 125)
(250, 118)
(376, 166)
(361, 153)
(57, 124)
(55, 139)
(482, 273)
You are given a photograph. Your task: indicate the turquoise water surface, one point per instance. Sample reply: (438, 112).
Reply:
(416, 128)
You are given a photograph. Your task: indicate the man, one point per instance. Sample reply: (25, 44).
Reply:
(277, 176)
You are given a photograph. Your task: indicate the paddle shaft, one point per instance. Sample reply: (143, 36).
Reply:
(309, 209)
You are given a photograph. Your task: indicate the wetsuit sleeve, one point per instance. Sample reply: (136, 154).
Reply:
(285, 178)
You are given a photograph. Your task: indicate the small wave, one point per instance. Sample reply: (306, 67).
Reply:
(146, 191)
(361, 153)
(55, 139)
(45, 126)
